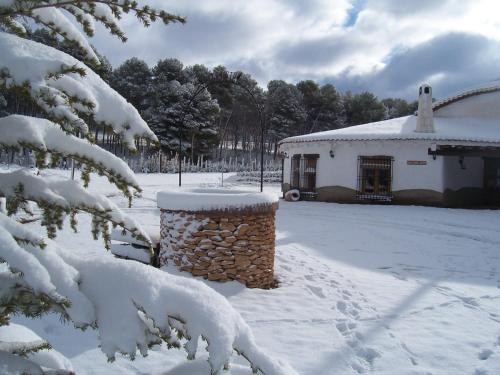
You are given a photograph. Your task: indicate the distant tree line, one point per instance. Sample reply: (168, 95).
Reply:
(208, 115)
(224, 116)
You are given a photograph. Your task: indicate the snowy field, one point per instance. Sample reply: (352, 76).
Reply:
(363, 289)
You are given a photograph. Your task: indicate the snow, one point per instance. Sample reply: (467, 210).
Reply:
(200, 367)
(32, 62)
(47, 358)
(403, 128)
(66, 194)
(150, 303)
(44, 135)
(23, 261)
(153, 233)
(15, 365)
(212, 199)
(485, 87)
(124, 287)
(54, 17)
(366, 289)
(128, 251)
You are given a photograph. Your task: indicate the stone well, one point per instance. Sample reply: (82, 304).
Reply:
(219, 234)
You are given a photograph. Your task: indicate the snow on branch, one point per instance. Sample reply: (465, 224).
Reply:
(105, 11)
(60, 197)
(20, 340)
(84, 12)
(20, 233)
(57, 22)
(153, 305)
(13, 364)
(23, 348)
(43, 136)
(37, 279)
(67, 90)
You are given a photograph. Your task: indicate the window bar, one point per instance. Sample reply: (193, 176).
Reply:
(370, 175)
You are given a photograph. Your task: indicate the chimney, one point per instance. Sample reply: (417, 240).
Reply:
(425, 117)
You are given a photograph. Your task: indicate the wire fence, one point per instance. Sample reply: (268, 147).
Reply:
(161, 163)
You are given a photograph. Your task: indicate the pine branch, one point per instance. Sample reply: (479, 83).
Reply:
(24, 348)
(145, 14)
(45, 138)
(57, 199)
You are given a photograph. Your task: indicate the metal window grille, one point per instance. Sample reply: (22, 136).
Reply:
(295, 172)
(308, 174)
(303, 174)
(375, 175)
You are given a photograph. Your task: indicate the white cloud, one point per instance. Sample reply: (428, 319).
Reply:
(296, 39)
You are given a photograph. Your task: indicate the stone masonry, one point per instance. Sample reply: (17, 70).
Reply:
(222, 245)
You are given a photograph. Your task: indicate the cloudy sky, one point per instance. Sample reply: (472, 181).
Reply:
(385, 46)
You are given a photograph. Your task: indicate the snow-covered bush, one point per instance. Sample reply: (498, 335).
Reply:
(37, 276)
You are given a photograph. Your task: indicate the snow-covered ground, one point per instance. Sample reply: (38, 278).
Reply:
(363, 289)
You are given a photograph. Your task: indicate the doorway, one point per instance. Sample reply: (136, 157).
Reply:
(492, 181)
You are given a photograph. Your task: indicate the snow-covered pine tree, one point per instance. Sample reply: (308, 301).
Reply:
(37, 276)
(132, 80)
(180, 106)
(285, 110)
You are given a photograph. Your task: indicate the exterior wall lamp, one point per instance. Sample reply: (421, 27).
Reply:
(332, 154)
(433, 151)
(461, 161)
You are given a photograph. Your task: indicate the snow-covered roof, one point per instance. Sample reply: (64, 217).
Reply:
(485, 88)
(484, 130)
(475, 120)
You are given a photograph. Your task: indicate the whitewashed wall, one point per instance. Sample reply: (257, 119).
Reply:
(342, 170)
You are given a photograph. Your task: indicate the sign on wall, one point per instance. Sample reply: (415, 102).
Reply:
(416, 162)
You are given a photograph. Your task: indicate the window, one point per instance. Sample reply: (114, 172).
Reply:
(308, 173)
(427, 90)
(303, 172)
(375, 178)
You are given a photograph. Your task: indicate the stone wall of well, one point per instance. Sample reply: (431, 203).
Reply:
(222, 245)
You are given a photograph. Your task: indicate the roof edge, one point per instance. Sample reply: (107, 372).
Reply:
(436, 139)
(464, 95)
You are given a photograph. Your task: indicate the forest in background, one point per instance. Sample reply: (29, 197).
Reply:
(214, 118)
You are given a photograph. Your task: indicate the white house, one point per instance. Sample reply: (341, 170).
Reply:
(448, 154)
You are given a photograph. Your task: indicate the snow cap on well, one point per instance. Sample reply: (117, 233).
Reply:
(212, 199)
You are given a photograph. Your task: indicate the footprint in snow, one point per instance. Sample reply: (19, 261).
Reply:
(481, 371)
(317, 291)
(485, 354)
(342, 328)
(341, 306)
(368, 354)
(354, 313)
(468, 301)
(495, 318)
(399, 276)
